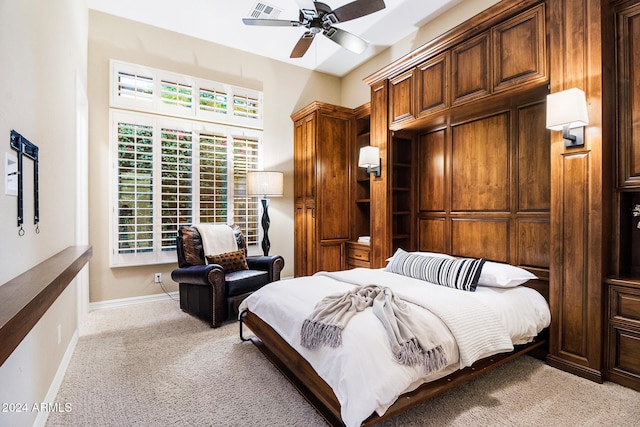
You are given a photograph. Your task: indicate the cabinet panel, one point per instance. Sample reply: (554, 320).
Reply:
(534, 154)
(482, 142)
(519, 51)
(628, 30)
(432, 84)
(470, 69)
(334, 136)
(490, 238)
(573, 335)
(401, 97)
(432, 235)
(431, 169)
(625, 305)
(625, 348)
(533, 243)
(331, 256)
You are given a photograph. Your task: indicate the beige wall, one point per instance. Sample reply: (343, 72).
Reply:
(43, 50)
(286, 89)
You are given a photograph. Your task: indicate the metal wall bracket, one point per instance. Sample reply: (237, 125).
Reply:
(25, 148)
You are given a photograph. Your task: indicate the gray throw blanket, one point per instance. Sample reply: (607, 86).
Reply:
(324, 326)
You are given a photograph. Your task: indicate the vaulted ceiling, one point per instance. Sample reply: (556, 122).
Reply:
(221, 22)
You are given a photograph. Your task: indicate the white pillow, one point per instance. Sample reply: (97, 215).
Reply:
(500, 275)
(431, 254)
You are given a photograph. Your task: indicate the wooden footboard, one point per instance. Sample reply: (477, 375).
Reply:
(300, 373)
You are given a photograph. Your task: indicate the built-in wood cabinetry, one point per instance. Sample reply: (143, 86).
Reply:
(510, 53)
(460, 123)
(358, 253)
(402, 183)
(623, 328)
(323, 143)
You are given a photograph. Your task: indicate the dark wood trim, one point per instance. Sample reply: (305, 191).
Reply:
(27, 297)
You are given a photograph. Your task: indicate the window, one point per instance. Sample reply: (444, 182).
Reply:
(178, 169)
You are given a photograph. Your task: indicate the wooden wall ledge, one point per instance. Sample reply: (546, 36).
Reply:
(25, 299)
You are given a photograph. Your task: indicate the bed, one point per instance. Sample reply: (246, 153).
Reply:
(359, 382)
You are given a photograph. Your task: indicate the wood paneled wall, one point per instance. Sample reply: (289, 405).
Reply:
(484, 187)
(580, 202)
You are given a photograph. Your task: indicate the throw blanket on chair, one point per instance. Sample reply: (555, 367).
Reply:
(217, 238)
(324, 326)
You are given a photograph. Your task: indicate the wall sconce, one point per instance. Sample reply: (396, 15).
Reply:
(265, 183)
(370, 159)
(567, 111)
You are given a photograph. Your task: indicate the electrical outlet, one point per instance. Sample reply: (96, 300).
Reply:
(157, 278)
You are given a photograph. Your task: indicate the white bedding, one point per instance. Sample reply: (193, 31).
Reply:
(362, 372)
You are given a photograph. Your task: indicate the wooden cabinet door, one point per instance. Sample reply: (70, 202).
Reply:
(432, 85)
(470, 69)
(401, 98)
(628, 58)
(334, 156)
(519, 50)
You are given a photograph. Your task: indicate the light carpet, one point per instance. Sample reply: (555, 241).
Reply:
(153, 365)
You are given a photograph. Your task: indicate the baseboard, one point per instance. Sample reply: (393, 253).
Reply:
(122, 302)
(49, 399)
(575, 369)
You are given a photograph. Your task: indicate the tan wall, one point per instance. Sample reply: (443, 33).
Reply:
(44, 56)
(286, 89)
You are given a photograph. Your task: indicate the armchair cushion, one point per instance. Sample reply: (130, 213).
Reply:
(245, 281)
(230, 261)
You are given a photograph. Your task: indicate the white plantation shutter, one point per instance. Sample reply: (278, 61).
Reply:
(246, 106)
(156, 91)
(214, 101)
(135, 189)
(135, 86)
(177, 161)
(246, 157)
(214, 173)
(177, 94)
(176, 184)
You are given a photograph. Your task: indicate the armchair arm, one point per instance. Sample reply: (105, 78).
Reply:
(196, 276)
(199, 274)
(273, 264)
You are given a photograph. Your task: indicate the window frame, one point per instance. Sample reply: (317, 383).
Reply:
(197, 122)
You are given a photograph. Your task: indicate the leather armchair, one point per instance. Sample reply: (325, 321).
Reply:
(206, 290)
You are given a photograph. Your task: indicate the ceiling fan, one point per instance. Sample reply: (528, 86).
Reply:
(318, 17)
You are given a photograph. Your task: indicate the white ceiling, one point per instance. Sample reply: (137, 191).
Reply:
(220, 21)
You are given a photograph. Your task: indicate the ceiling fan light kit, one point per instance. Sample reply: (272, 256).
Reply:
(318, 17)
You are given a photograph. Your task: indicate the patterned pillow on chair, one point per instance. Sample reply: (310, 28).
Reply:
(230, 261)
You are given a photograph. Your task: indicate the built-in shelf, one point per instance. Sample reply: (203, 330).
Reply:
(27, 297)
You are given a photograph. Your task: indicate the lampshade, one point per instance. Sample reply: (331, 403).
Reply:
(568, 107)
(265, 183)
(369, 157)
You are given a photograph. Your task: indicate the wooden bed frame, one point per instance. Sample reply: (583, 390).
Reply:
(317, 392)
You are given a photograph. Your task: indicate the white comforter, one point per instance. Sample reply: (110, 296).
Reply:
(362, 373)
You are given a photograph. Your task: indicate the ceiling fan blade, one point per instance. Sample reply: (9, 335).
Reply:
(346, 40)
(357, 9)
(303, 45)
(307, 8)
(270, 22)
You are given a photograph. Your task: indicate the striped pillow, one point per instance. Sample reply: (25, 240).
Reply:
(458, 273)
